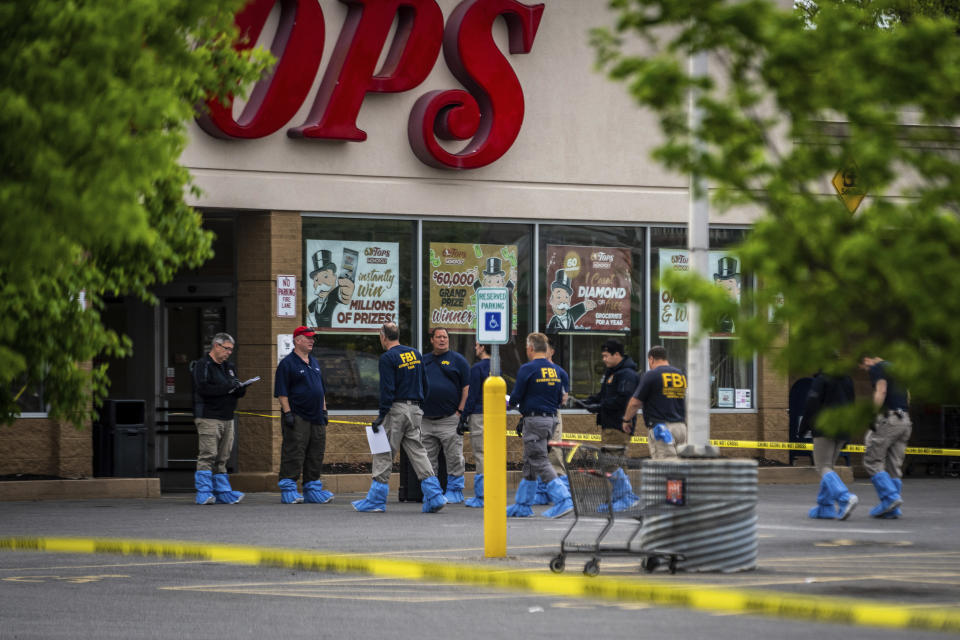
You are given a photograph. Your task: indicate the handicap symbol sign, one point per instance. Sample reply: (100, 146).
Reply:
(491, 321)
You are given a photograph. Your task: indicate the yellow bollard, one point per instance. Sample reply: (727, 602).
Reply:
(494, 467)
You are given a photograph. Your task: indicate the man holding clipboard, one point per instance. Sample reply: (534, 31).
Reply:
(403, 386)
(216, 390)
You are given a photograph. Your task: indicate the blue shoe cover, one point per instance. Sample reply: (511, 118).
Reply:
(826, 508)
(376, 500)
(433, 499)
(454, 494)
(896, 513)
(314, 492)
(288, 492)
(888, 494)
(541, 496)
(203, 482)
(562, 502)
(526, 491)
(845, 500)
(224, 492)
(477, 501)
(622, 496)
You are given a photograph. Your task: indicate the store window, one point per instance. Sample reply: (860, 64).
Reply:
(732, 384)
(358, 274)
(29, 398)
(591, 290)
(458, 258)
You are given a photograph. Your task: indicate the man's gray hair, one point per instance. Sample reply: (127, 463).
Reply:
(222, 337)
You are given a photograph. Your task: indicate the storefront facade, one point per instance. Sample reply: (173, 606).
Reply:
(549, 190)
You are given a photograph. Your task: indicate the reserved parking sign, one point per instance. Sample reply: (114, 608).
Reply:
(493, 315)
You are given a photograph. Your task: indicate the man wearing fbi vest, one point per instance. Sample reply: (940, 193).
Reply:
(403, 386)
(538, 392)
(661, 393)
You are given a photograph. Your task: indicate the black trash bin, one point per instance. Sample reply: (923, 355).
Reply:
(120, 440)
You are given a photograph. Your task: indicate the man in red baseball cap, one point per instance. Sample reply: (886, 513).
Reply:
(299, 386)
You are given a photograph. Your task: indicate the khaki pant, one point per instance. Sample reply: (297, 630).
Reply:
(885, 444)
(442, 433)
(215, 443)
(403, 430)
(555, 454)
(660, 450)
(825, 452)
(615, 440)
(476, 439)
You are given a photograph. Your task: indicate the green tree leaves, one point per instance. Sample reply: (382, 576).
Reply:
(94, 100)
(793, 96)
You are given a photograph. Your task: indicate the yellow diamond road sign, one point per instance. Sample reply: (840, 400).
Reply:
(847, 183)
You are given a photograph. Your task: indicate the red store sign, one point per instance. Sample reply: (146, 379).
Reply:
(489, 112)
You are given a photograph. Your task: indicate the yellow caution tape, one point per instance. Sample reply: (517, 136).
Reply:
(763, 444)
(730, 444)
(778, 605)
(267, 415)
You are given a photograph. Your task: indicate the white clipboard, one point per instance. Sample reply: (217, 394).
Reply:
(379, 443)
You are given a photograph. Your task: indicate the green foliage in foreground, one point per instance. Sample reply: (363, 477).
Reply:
(792, 97)
(94, 99)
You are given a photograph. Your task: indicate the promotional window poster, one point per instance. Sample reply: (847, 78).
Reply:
(457, 270)
(588, 288)
(351, 286)
(725, 270)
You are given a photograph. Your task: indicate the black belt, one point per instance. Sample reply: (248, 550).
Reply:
(437, 417)
(539, 414)
(408, 401)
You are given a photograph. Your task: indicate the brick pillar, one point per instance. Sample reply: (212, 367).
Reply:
(268, 244)
(74, 450)
(774, 394)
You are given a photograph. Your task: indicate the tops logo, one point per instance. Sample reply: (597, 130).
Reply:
(489, 113)
(600, 256)
(376, 255)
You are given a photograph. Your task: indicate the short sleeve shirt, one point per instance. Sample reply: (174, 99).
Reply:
(302, 383)
(896, 397)
(663, 391)
(448, 373)
(539, 387)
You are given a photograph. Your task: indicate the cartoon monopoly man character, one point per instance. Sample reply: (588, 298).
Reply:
(565, 316)
(728, 277)
(329, 290)
(493, 275)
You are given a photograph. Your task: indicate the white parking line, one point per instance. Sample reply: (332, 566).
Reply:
(791, 527)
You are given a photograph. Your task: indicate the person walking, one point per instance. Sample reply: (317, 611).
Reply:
(555, 454)
(448, 375)
(299, 386)
(886, 441)
(834, 500)
(472, 419)
(538, 393)
(216, 390)
(661, 393)
(619, 381)
(403, 386)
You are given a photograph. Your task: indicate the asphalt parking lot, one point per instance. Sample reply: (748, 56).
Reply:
(912, 563)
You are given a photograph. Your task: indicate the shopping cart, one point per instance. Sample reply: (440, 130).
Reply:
(594, 476)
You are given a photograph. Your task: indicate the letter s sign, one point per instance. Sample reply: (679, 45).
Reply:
(490, 111)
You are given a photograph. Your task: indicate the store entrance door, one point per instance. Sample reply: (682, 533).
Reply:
(188, 329)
